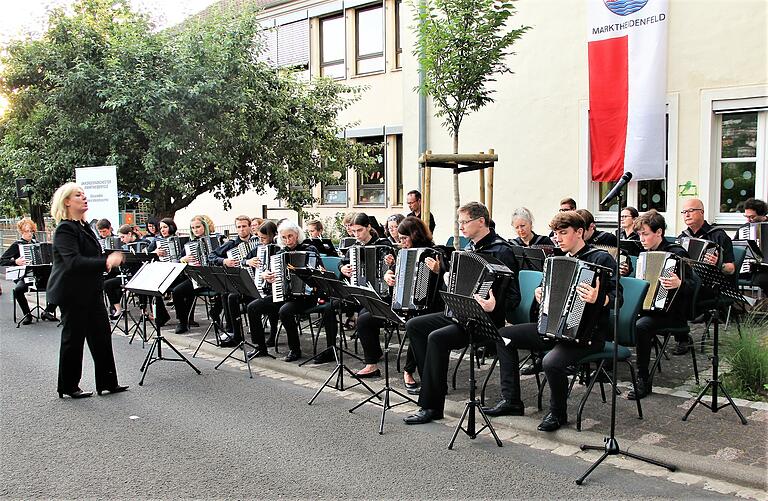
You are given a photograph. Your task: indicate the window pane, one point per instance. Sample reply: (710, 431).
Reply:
(333, 71)
(739, 135)
(371, 185)
(370, 65)
(336, 193)
(652, 194)
(737, 183)
(370, 39)
(399, 170)
(605, 187)
(332, 39)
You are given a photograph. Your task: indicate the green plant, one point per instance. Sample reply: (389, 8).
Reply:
(747, 356)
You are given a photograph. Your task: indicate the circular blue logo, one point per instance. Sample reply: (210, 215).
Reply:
(624, 7)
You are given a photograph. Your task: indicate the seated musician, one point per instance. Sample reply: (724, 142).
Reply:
(566, 204)
(593, 236)
(650, 228)
(756, 211)
(698, 227)
(412, 233)
(393, 222)
(360, 229)
(315, 229)
(153, 229)
(291, 238)
(232, 301)
(113, 287)
(166, 228)
(628, 216)
(184, 293)
(267, 234)
(12, 257)
(104, 227)
(433, 336)
(569, 232)
(256, 222)
(522, 223)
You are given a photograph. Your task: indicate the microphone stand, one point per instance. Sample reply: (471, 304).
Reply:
(611, 446)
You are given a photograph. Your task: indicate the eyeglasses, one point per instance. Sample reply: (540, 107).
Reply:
(466, 222)
(690, 211)
(565, 210)
(752, 217)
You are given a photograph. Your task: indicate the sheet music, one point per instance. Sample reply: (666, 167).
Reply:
(155, 276)
(14, 272)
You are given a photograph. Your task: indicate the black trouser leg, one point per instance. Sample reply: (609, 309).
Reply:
(256, 309)
(523, 336)
(368, 331)
(410, 361)
(288, 312)
(646, 328)
(433, 383)
(113, 288)
(418, 329)
(183, 295)
(555, 363)
(19, 290)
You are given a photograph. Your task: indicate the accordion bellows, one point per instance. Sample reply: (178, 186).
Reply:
(474, 273)
(415, 285)
(650, 267)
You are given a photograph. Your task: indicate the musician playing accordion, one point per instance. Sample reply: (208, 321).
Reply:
(650, 227)
(433, 336)
(291, 237)
(569, 228)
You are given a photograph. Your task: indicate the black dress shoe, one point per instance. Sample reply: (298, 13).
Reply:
(27, 319)
(531, 369)
(115, 389)
(552, 422)
(413, 391)
(112, 316)
(682, 348)
(423, 416)
(325, 357)
(78, 393)
(292, 356)
(231, 342)
(505, 408)
(161, 320)
(644, 388)
(411, 386)
(369, 375)
(258, 352)
(181, 329)
(192, 323)
(47, 315)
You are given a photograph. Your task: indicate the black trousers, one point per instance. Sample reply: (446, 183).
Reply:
(368, 331)
(183, 297)
(19, 290)
(286, 312)
(432, 338)
(113, 287)
(89, 323)
(555, 362)
(257, 308)
(646, 328)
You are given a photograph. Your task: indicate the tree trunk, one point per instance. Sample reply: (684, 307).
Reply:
(456, 202)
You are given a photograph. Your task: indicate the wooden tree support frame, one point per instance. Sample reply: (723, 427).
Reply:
(459, 163)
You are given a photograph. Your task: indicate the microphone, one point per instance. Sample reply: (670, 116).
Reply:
(616, 189)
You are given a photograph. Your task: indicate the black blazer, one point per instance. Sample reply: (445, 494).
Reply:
(78, 265)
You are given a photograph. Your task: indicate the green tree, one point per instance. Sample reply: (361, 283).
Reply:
(461, 45)
(180, 112)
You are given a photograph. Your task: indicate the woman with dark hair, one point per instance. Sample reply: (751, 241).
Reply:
(153, 228)
(393, 222)
(628, 216)
(267, 233)
(412, 233)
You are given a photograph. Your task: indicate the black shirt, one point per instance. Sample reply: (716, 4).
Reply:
(602, 238)
(13, 252)
(217, 257)
(631, 236)
(535, 240)
(431, 220)
(597, 315)
(507, 298)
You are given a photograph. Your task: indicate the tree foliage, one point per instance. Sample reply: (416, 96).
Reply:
(180, 112)
(461, 45)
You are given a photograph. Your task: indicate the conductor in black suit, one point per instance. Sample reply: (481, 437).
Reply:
(76, 285)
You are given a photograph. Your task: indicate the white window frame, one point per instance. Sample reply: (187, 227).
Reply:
(589, 191)
(710, 145)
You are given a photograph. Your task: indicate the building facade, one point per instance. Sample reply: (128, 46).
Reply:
(717, 111)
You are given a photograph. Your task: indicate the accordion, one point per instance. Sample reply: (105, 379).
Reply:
(698, 248)
(757, 232)
(37, 254)
(623, 256)
(264, 254)
(287, 285)
(241, 250)
(111, 243)
(369, 266)
(654, 265)
(346, 243)
(173, 248)
(415, 284)
(561, 312)
(473, 273)
(138, 247)
(201, 247)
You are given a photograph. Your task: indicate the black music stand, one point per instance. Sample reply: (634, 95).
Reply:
(468, 313)
(236, 280)
(125, 314)
(712, 277)
(382, 311)
(40, 274)
(338, 290)
(153, 280)
(203, 276)
(611, 445)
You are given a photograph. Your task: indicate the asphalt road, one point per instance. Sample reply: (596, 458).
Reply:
(222, 435)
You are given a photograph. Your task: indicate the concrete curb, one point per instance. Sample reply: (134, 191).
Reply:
(704, 466)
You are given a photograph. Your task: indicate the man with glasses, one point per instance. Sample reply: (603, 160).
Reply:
(413, 199)
(698, 227)
(433, 336)
(755, 211)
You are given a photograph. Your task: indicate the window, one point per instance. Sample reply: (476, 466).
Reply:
(399, 170)
(287, 46)
(336, 193)
(371, 186)
(398, 47)
(369, 43)
(737, 163)
(332, 47)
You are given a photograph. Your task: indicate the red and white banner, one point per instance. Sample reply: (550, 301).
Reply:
(627, 43)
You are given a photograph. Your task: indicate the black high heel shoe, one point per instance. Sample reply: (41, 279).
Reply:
(116, 389)
(78, 393)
